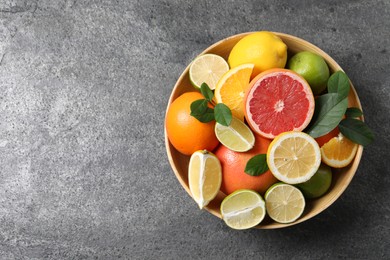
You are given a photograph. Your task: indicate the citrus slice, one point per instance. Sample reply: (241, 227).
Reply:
(243, 209)
(278, 100)
(204, 177)
(207, 68)
(338, 152)
(284, 203)
(231, 89)
(293, 157)
(237, 136)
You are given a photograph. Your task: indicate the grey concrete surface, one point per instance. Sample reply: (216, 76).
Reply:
(83, 91)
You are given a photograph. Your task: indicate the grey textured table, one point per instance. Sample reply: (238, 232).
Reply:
(83, 91)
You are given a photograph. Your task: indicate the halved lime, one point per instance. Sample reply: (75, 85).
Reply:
(204, 177)
(243, 209)
(237, 136)
(207, 68)
(284, 203)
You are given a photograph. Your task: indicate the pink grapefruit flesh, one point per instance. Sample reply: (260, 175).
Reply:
(278, 100)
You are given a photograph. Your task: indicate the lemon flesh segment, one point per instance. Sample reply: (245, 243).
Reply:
(243, 209)
(237, 136)
(293, 157)
(204, 177)
(284, 203)
(207, 68)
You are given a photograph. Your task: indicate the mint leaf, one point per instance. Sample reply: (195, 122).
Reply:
(329, 110)
(222, 114)
(201, 111)
(338, 83)
(206, 92)
(257, 165)
(353, 112)
(356, 131)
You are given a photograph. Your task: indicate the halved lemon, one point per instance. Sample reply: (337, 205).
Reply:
(207, 68)
(284, 203)
(243, 209)
(231, 88)
(204, 177)
(237, 136)
(339, 151)
(293, 157)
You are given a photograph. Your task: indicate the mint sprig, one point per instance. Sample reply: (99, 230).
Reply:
(201, 110)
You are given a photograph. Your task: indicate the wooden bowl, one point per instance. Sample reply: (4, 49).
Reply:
(341, 177)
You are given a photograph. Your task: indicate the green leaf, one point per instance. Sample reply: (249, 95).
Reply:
(356, 131)
(339, 83)
(201, 111)
(353, 112)
(329, 110)
(206, 92)
(257, 165)
(222, 114)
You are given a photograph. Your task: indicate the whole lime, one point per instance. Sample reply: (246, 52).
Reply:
(312, 67)
(319, 184)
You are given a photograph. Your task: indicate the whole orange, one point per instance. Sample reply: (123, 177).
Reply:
(186, 133)
(233, 166)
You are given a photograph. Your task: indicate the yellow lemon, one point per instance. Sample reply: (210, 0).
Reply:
(264, 49)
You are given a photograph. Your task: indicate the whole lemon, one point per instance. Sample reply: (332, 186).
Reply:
(264, 49)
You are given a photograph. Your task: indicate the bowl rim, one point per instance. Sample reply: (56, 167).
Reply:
(354, 165)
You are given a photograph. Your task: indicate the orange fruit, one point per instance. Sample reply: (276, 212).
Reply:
(186, 133)
(338, 152)
(233, 166)
(278, 100)
(231, 89)
(325, 138)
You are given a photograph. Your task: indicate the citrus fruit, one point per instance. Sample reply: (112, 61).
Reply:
(319, 184)
(231, 89)
(184, 131)
(312, 67)
(233, 168)
(243, 209)
(339, 151)
(204, 177)
(237, 136)
(325, 138)
(293, 157)
(278, 100)
(284, 203)
(207, 68)
(264, 49)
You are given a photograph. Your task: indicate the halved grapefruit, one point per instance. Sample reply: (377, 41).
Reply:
(277, 101)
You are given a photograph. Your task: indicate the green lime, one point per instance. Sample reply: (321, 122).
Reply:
(284, 203)
(312, 68)
(207, 68)
(243, 209)
(319, 184)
